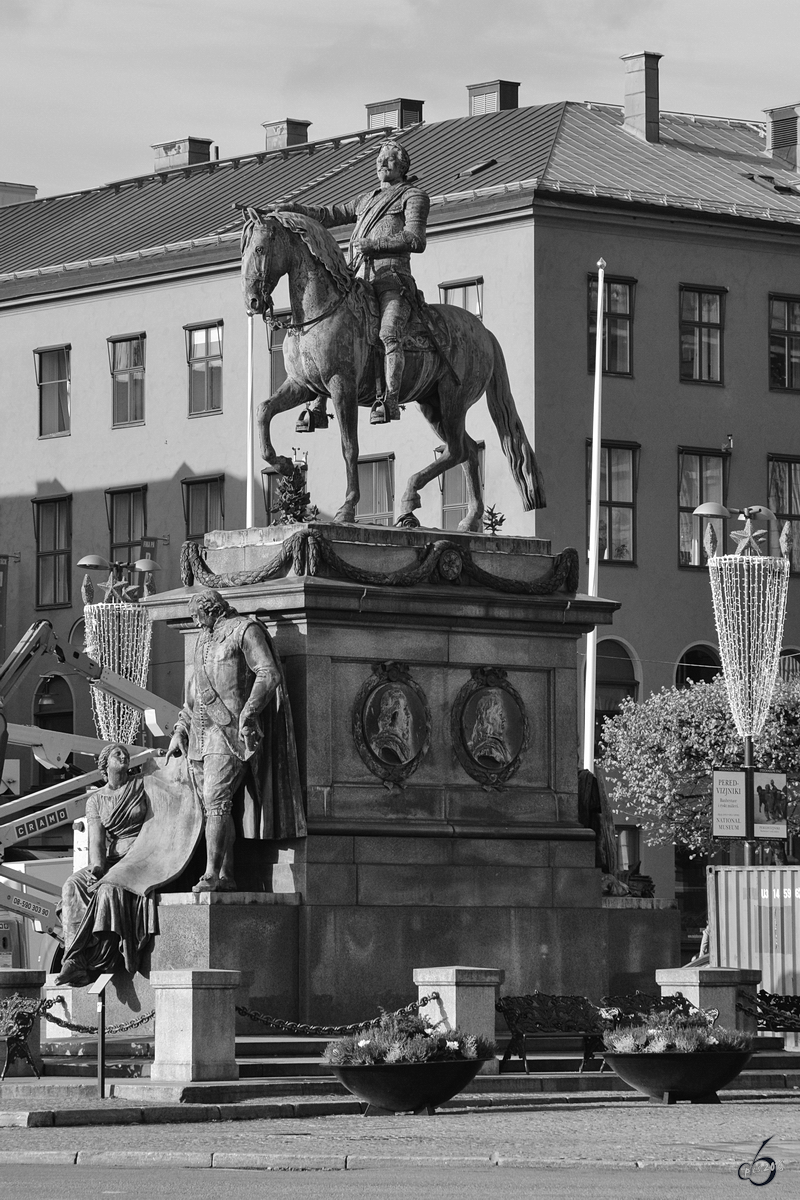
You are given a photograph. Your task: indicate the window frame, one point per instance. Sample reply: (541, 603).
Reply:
(110, 495)
(66, 347)
(188, 330)
(701, 290)
(635, 449)
(786, 335)
(275, 349)
(630, 282)
(206, 481)
(63, 553)
(776, 527)
(452, 285)
(375, 459)
(130, 372)
(707, 452)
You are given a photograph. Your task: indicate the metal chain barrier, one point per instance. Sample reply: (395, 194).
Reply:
(777, 1014)
(46, 1006)
(300, 1030)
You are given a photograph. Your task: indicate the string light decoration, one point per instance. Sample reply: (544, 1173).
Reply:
(118, 637)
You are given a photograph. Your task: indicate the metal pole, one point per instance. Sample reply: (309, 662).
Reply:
(101, 1045)
(749, 846)
(594, 526)
(249, 518)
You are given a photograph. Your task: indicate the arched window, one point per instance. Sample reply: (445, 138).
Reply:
(698, 664)
(616, 681)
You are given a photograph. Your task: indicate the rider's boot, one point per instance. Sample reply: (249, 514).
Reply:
(394, 364)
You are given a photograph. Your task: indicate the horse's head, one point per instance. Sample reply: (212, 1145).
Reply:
(264, 259)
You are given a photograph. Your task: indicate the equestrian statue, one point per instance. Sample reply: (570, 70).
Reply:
(361, 334)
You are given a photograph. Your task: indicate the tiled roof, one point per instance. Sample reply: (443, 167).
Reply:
(704, 163)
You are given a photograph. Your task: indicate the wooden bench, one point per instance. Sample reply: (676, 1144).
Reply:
(540, 1015)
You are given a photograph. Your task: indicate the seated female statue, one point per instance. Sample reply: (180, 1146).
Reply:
(106, 927)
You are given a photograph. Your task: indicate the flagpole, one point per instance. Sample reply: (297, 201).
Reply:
(249, 517)
(594, 526)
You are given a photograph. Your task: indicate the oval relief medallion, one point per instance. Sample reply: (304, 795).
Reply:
(489, 727)
(391, 722)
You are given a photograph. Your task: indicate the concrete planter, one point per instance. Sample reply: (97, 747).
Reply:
(408, 1087)
(672, 1076)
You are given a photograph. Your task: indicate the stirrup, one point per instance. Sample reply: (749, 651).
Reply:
(378, 414)
(305, 422)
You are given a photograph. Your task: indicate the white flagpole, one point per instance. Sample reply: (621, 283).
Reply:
(594, 526)
(249, 517)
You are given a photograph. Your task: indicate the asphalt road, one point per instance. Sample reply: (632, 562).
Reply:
(389, 1183)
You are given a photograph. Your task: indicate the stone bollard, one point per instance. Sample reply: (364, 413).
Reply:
(468, 996)
(714, 987)
(195, 1025)
(28, 984)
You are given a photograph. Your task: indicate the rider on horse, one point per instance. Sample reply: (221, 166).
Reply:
(390, 224)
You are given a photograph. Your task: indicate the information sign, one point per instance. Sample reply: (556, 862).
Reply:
(729, 810)
(770, 801)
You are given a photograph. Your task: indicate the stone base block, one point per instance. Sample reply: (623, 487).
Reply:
(715, 987)
(195, 1025)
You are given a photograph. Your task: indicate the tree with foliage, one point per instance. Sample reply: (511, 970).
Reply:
(658, 758)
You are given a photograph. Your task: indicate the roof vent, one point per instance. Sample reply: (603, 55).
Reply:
(181, 152)
(492, 97)
(782, 133)
(398, 113)
(641, 95)
(288, 132)
(16, 193)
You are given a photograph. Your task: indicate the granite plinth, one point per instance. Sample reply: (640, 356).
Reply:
(195, 1025)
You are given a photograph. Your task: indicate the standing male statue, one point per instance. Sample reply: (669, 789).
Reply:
(236, 729)
(390, 226)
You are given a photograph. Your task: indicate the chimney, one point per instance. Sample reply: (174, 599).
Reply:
(181, 152)
(641, 95)
(782, 133)
(492, 97)
(285, 133)
(16, 193)
(398, 113)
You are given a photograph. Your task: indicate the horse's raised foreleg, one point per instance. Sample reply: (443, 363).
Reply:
(343, 397)
(289, 395)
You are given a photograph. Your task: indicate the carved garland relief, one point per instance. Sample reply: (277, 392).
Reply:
(489, 725)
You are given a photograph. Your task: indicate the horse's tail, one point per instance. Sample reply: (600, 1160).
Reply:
(513, 437)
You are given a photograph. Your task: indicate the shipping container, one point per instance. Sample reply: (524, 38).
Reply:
(754, 921)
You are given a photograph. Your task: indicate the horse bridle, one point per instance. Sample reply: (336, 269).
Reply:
(266, 297)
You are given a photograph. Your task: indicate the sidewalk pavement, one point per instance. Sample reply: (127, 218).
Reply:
(604, 1132)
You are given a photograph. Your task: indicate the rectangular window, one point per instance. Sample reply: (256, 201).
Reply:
(618, 476)
(454, 491)
(702, 315)
(53, 381)
(126, 363)
(203, 505)
(127, 522)
(277, 369)
(784, 500)
(376, 485)
(617, 325)
(784, 343)
(204, 356)
(702, 477)
(463, 293)
(52, 522)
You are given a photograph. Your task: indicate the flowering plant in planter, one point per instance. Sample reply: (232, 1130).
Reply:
(402, 1038)
(673, 1032)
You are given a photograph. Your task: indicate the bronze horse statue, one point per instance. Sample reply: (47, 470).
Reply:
(329, 352)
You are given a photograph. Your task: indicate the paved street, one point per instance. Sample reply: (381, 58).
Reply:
(410, 1183)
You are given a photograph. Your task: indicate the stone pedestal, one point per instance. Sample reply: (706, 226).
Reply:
(714, 987)
(195, 1025)
(467, 996)
(27, 984)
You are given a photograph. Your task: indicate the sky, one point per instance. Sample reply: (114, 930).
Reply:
(87, 86)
